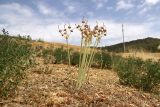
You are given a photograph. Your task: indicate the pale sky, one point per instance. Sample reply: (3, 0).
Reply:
(40, 18)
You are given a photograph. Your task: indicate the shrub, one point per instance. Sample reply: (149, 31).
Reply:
(107, 61)
(48, 51)
(102, 60)
(24, 37)
(138, 73)
(15, 58)
(152, 76)
(75, 58)
(116, 61)
(48, 56)
(39, 50)
(128, 71)
(60, 55)
(97, 60)
(40, 40)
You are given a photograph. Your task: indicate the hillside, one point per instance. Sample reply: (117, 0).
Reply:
(148, 44)
(40, 43)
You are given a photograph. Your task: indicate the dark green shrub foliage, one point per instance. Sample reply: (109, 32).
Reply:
(128, 71)
(107, 61)
(48, 51)
(60, 55)
(97, 60)
(152, 76)
(144, 75)
(116, 60)
(15, 57)
(27, 37)
(102, 60)
(75, 58)
(48, 55)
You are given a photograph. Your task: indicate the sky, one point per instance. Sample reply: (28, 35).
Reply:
(40, 18)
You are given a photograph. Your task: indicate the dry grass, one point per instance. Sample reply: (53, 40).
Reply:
(54, 45)
(143, 55)
(41, 88)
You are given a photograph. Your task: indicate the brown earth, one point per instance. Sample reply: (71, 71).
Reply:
(48, 86)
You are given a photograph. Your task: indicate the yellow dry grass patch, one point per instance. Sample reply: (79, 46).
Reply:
(143, 55)
(54, 45)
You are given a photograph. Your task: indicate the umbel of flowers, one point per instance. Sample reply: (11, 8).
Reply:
(90, 38)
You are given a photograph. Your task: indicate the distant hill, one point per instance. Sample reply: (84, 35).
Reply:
(148, 44)
(39, 42)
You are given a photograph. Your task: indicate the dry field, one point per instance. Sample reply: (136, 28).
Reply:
(47, 86)
(143, 55)
(53, 45)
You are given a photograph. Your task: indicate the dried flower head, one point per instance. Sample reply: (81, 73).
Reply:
(88, 33)
(66, 31)
(60, 31)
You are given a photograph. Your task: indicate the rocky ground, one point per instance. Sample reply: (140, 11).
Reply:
(46, 85)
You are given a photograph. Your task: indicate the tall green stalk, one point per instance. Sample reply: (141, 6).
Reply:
(69, 58)
(91, 58)
(81, 51)
(87, 57)
(81, 72)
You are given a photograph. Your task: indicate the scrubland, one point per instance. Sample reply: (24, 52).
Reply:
(37, 75)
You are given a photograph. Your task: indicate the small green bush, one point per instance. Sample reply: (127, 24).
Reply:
(40, 40)
(97, 61)
(116, 60)
(152, 77)
(39, 51)
(15, 58)
(48, 51)
(75, 58)
(61, 56)
(107, 60)
(128, 71)
(102, 60)
(141, 74)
